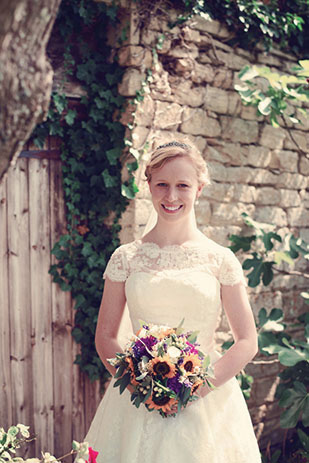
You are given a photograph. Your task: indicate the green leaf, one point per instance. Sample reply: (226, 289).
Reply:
(113, 156)
(267, 240)
(193, 336)
(304, 439)
(241, 242)
(70, 116)
(283, 256)
(109, 181)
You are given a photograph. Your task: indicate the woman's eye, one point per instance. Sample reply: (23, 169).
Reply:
(183, 185)
(161, 184)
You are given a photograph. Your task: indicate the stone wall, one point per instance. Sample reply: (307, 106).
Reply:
(254, 167)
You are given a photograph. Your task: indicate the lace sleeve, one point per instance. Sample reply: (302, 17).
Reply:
(117, 268)
(231, 271)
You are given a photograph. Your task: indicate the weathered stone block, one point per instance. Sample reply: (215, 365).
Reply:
(272, 215)
(204, 58)
(285, 160)
(230, 214)
(131, 82)
(269, 60)
(186, 95)
(219, 155)
(268, 196)
(217, 171)
(298, 217)
(234, 105)
(184, 67)
(238, 130)
(211, 26)
(272, 137)
(293, 181)
(191, 35)
(196, 122)
(221, 234)
(133, 55)
(304, 165)
(223, 78)
(202, 73)
(216, 100)
(190, 53)
(203, 212)
(296, 140)
(139, 136)
(267, 299)
(167, 115)
(230, 60)
(289, 198)
(144, 113)
(236, 153)
(258, 156)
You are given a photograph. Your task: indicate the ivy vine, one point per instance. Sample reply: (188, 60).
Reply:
(92, 157)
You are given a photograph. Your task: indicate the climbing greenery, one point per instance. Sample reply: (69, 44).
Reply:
(93, 143)
(268, 22)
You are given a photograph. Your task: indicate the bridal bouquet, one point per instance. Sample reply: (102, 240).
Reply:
(165, 367)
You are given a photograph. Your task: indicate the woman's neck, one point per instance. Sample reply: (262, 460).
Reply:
(173, 233)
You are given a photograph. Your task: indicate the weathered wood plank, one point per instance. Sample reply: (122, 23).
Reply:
(19, 294)
(62, 326)
(42, 364)
(78, 413)
(5, 364)
(92, 397)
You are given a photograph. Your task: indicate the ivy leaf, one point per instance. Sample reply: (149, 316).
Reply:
(109, 181)
(129, 191)
(113, 155)
(70, 116)
(60, 102)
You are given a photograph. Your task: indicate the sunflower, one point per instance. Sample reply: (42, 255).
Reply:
(162, 403)
(131, 369)
(190, 362)
(163, 366)
(198, 383)
(163, 334)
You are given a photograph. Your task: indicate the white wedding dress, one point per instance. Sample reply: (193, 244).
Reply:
(163, 286)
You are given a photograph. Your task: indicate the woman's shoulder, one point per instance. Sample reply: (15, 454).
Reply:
(213, 247)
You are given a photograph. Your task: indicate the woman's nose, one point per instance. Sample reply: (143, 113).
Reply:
(171, 194)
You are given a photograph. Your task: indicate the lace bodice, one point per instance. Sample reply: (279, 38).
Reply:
(165, 285)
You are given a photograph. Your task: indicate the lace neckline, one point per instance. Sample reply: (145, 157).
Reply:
(167, 247)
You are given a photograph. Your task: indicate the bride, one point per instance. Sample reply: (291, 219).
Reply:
(176, 272)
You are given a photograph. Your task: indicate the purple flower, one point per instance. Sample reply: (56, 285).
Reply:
(139, 349)
(174, 384)
(191, 348)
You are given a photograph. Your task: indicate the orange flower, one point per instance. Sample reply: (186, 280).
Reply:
(162, 402)
(131, 370)
(190, 362)
(163, 366)
(165, 333)
(198, 383)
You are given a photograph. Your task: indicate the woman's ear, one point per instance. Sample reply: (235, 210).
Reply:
(199, 190)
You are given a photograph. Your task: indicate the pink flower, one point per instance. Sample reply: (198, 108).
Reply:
(92, 455)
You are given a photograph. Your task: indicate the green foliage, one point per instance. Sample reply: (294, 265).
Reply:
(17, 436)
(274, 100)
(268, 250)
(92, 147)
(268, 22)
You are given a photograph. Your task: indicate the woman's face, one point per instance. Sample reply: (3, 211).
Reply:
(174, 188)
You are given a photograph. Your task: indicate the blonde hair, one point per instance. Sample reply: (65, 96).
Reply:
(175, 149)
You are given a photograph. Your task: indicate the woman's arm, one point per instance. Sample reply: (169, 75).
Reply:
(110, 314)
(239, 314)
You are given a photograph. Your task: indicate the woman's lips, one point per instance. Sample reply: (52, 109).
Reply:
(171, 209)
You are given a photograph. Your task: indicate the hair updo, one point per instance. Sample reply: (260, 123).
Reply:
(175, 149)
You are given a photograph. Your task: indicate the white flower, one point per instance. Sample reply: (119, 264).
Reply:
(174, 353)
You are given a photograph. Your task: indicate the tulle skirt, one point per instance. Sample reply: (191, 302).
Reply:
(214, 429)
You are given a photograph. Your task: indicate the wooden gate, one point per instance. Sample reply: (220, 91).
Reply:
(39, 384)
